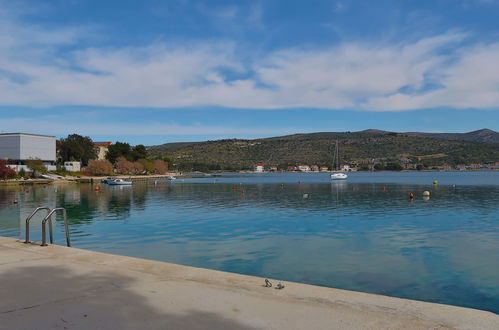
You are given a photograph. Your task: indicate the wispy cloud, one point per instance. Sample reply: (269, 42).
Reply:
(37, 69)
(44, 125)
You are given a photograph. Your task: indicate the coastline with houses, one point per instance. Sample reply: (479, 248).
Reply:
(38, 158)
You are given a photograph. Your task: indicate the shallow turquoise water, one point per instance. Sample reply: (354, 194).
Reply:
(352, 235)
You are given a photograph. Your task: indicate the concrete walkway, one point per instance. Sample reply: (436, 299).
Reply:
(57, 287)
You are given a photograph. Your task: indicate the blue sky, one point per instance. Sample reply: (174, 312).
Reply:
(161, 71)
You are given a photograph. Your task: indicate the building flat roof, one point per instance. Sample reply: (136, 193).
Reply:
(3, 134)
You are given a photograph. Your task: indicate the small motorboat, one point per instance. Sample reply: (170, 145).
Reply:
(109, 178)
(339, 176)
(119, 182)
(171, 177)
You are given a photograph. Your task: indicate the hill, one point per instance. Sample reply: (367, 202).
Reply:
(317, 148)
(483, 135)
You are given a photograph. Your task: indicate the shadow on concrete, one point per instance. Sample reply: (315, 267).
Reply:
(46, 297)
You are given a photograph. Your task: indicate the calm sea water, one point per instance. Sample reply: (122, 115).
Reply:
(363, 234)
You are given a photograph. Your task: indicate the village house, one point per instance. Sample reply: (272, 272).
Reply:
(446, 167)
(404, 159)
(292, 168)
(475, 166)
(314, 168)
(102, 149)
(324, 169)
(304, 168)
(260, 167)
(346, 168)
(72, 166)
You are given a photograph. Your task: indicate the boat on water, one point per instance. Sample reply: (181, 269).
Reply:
(106, 180)
(119, 182)
(337, 175)
(171, 177)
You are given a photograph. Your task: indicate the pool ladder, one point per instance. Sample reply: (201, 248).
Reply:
(48, 218)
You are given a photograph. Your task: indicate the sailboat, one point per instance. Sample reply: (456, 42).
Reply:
(337, 175)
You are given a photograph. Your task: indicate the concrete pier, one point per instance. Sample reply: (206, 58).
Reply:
(56, 287)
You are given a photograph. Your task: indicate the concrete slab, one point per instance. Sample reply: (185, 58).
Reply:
(57, 287)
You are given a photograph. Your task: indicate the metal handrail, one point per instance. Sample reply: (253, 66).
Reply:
(48, 218)
(31, 216)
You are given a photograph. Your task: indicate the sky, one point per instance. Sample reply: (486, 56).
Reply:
(154, 71)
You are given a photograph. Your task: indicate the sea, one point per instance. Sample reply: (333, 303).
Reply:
(363, 234)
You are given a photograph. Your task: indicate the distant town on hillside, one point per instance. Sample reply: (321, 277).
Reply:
(363, 150)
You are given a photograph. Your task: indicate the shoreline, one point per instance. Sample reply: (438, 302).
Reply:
(97, 179)
(57, 286)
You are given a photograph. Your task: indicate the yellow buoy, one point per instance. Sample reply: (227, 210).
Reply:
(435, 181)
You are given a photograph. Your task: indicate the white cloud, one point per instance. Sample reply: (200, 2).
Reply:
(36, 70)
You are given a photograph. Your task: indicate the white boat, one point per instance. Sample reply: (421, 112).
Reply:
(106, 180)
(171, 177)
(337, 175)
(118, 182)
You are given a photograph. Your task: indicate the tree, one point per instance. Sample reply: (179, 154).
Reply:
(22, 172)
(148, 165)
(99, 167)
(5, 171)
(36, 166)
(139, 152)
(77, 148)
(119, 149)
(394, 166)
(160, 167)
(123, 166)
(138, 168)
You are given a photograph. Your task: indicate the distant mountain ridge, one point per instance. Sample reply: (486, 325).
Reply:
(317, 148)
(482, 135)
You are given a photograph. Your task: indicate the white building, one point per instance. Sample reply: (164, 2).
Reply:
(259, 167)
(18, 148)
(345, 168)
(103, 149)
(304, 168)
(72, 166)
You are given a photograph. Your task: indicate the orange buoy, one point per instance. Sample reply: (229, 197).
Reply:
(234, 187)
(97, 188)
(411, 195)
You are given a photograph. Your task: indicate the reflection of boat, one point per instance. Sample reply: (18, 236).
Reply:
(119, 182)
(338, 175)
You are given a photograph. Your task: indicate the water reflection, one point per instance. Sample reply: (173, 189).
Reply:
(360, 236)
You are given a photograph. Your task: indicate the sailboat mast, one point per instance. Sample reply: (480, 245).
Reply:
(337, 157)
(333, 163)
